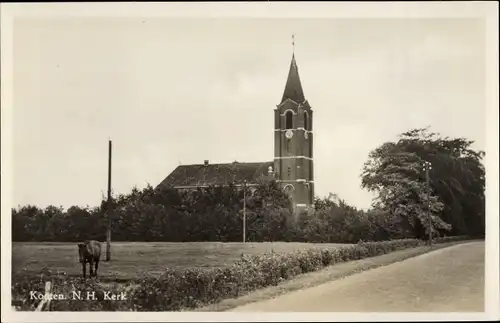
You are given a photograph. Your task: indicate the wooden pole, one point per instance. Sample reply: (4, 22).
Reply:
(244, 210)
(428, 167)
(429, 204)
(108, 208)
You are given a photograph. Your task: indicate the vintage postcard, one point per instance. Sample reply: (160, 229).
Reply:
(249, 161)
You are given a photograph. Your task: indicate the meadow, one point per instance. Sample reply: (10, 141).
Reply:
(130, 260)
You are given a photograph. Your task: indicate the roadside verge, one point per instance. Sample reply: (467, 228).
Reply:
(333, 272)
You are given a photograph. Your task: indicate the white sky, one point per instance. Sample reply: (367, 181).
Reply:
(170, 90)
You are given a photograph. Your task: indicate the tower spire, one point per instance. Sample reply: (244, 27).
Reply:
(293, 87)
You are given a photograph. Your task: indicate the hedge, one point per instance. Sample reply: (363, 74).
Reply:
(177, 289)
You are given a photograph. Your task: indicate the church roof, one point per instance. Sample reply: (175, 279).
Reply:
(293, 87)
(216, 174)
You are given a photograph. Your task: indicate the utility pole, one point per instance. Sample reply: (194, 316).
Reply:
(108, 207)
(244, 210)
(427, 167)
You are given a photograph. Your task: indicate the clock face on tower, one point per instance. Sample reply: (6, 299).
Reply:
(289, 134)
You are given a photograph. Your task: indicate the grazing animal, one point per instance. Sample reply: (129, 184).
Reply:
(89, 252)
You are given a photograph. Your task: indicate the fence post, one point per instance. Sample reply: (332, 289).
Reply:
(46, 299)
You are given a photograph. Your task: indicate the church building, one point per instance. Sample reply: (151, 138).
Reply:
(292, 166)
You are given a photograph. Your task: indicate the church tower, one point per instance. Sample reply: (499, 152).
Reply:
(293, 142)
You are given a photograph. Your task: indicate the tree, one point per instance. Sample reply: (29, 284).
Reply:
(270, 211)
(456, 202)
(24, 226)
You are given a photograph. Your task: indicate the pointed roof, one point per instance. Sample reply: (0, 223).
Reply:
(293, 87)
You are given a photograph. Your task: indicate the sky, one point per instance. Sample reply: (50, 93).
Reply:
(172, 91)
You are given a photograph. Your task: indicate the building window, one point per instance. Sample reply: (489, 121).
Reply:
(306, 120)
(288, 188)
(289, 171)
(310, 147)
(288, 145)
(311, 174)
(289, 120)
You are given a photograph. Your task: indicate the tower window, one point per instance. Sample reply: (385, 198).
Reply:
(288, 145)
(289, 172)
(306, 120)
(289, 120)
(311, 173)
(311, 148)
(288, 188)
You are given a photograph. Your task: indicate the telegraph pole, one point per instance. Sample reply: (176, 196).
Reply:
(244, 210)
(427, 167)
(108, 208)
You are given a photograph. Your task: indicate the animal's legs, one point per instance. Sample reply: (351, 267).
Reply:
(84, 268)
(96, 265)
(91, 267)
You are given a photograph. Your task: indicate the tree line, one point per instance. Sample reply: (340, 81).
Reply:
(393, 171)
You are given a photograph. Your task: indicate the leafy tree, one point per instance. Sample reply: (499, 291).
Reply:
(24, 224)
(456, 180)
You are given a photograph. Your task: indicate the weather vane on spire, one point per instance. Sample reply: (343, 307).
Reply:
(293, 43)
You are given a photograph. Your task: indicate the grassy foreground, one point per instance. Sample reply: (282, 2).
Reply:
(132, 259)
(189, 288)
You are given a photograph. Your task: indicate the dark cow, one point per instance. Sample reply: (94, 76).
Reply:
(89, 252)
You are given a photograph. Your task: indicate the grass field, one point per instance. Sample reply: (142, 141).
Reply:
(132, 259)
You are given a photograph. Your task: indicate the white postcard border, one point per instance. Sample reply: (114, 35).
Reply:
(487, 10)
